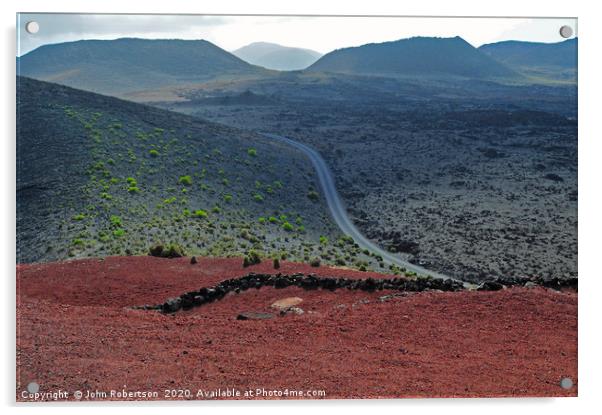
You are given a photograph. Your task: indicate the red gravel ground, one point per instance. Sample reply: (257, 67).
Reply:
(75, 331)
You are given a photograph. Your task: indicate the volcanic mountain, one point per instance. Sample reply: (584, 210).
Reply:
(415, 57)
(274, 56)
(551, 60)
(115, 67)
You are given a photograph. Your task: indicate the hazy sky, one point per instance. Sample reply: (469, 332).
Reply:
(322, 34)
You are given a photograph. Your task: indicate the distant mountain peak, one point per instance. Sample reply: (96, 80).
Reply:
(275, 56)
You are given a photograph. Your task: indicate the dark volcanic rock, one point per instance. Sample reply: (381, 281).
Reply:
(254, 316)
(172, 305)
(312, 282)
(490, 286)
(554, 177)
(397, 243)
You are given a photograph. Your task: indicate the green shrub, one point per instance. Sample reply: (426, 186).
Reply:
(79, 216)
(115, 220)
(261, 219)
(252, 258)
(276, 263)
(257, 197)
(173, 251)
(170, 200)
(200, 213)
(185, 180)
(273, 219)
(118, 232)
(313, 195)
(133, 189)
(323, 240)
(252, 152)
(227, 198)
(154, 153)
(170, 251)
(287, 227)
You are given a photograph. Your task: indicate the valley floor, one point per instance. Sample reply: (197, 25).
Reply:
(77, 331)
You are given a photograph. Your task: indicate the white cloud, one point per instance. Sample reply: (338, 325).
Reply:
(319, 33)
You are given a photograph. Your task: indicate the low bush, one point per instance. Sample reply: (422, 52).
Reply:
(118, 233)
(252, 258)
(200, 213)
(115, 220)
(315, 262)
(185, 180)
(313, 195)
(169, 251)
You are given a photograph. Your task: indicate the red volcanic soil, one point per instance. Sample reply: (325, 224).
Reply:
(76, 331)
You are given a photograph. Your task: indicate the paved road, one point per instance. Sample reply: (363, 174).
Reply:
(339, 213)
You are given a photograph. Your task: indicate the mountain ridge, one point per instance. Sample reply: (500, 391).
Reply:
(451, 56)
(556, 60)
(128, 64)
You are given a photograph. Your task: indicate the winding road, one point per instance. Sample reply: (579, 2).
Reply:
(339, 213)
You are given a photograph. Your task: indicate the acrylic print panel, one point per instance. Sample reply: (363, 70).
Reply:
(282, 207)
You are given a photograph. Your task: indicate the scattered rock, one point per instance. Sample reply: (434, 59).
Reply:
(292, 310)
(490, 286)
(172, 305)
(254, 316)
(554, 177)
(530, 284)
(286, 303)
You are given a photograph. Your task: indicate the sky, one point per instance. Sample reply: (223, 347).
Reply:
(322, 34)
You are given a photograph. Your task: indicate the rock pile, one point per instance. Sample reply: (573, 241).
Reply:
(206, 295)
(309, 282)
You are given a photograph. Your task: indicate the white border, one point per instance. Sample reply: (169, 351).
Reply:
(590, 158)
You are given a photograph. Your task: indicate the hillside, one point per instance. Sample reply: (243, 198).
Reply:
(116, 67)
(417, 56)
(274, 56)
(548, 60)
(100, 176)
